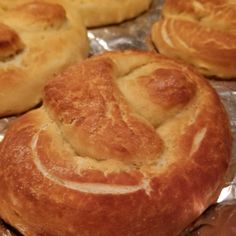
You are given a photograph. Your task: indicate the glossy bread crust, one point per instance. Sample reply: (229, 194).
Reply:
(201, 33)
(37, 39)
(124, 143)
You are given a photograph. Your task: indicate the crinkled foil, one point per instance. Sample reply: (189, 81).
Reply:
(135, 34)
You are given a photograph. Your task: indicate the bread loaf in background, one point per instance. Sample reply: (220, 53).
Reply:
(201, 33)
(103, 12)
(37, 39)
(126, 143)
(97, 13)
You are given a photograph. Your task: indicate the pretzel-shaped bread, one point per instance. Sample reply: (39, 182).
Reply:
(201, 33)
(124, 142)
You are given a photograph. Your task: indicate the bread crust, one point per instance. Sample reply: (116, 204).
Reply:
(201, 33)
(103, 12)
(42, 39)
(67, 169)
(97, 13)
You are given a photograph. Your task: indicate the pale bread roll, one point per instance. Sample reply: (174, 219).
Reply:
(98, 12)
(37, 39)
(104, 12)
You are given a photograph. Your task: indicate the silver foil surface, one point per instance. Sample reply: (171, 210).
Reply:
(135, 34)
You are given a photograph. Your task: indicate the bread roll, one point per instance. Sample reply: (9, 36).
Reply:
(99, 12)
(103, 12)
(201, 33)
(124, 144)
(36, 40)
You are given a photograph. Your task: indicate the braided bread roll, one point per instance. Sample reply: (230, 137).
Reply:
(124, 142)
(200, 32)
(36, 40)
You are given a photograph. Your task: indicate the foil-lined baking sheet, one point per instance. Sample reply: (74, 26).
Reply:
(135, 34)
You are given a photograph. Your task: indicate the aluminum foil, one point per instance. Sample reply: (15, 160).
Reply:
(135, 34)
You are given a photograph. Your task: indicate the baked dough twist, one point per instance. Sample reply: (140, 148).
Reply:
(124, 142)
(200, 32)
(36, 40)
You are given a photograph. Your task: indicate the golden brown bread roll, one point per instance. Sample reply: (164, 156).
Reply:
(200, 32)
(36, 40)
(124, 142)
